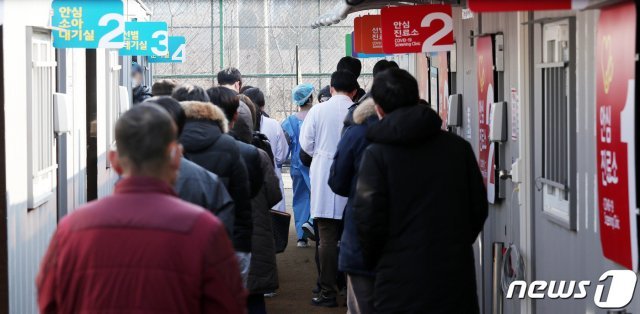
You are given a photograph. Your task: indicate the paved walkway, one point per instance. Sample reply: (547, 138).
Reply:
(297, 274)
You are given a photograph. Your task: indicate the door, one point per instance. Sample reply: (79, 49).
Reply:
(554, 159)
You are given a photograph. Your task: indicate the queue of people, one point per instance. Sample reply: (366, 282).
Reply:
(393, 203)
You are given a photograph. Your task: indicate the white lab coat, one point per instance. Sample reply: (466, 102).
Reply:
(319, 137)
(272, 129)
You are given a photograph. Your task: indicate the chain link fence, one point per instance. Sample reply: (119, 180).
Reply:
(259, 37)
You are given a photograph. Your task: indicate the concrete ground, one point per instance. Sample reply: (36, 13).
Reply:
(297, 274)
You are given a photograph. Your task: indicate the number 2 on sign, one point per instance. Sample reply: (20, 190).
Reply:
(429, 45)
(107, 40)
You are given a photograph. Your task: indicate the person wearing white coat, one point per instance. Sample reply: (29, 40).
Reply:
(280, 148)
(319, 138)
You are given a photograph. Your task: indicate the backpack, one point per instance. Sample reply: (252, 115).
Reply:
(261, 141)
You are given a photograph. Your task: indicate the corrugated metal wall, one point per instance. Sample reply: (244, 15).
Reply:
(559, 253)
(29, 234)
(28, 231)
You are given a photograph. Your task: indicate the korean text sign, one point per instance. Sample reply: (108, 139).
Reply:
(417, 28)
(88, 24)
(350, 51)
(368, 31)
(484, 53)
(615, 133)
(176, 53)
(145, 39)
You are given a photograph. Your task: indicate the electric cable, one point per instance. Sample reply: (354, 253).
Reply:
(513, 267)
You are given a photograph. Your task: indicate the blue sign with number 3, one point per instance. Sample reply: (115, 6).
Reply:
(177, 45)
(145, 39)
(88, 24)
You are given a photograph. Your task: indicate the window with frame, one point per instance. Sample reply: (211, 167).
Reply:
(113, 97)
(557, 71)
(41, 80)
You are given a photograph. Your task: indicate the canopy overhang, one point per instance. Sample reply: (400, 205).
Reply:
(341, 10)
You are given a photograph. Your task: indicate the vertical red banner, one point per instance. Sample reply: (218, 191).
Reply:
(443, 87)
(371, 38)
(357, 34)
(615, 134)
(484, 55)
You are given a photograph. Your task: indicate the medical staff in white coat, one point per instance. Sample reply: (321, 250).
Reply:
(319, 138)
(272, 129)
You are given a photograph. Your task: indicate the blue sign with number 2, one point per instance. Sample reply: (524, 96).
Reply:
(176, 53)
(88, 24)
(145, 39)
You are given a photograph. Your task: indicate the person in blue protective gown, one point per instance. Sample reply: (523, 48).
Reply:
(302, 97)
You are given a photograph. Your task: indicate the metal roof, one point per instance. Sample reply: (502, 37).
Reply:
(341, 10)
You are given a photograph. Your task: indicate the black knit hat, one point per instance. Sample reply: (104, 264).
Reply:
(324, 94)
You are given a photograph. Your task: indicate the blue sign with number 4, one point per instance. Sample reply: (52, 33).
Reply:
(88, 24)
(145, 39)
(177, 45)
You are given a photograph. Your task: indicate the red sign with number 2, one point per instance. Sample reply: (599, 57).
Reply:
(417, 28)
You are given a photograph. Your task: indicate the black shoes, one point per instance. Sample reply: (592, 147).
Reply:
(324, 301)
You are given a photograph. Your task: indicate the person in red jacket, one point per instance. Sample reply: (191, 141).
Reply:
(142, 249)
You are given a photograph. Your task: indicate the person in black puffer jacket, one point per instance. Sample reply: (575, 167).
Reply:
(205, 143)
(195, 184)
(228, 101)
(420, 205)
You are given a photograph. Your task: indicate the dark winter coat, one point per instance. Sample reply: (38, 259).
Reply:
(198, 186)
(242, 132)
(141, 249)
(251, 159)
(420, 205)
(343, 179)
(349, 120)
(141, 93)
(263, 272)
(206, 144)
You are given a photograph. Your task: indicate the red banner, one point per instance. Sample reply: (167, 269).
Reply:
(520, 5)
(484, 53)
(417, 28)
(615, 92)
(371, 38)
(357, 34)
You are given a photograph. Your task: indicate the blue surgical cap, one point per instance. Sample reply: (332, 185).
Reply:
(301, 94)
(135, 67)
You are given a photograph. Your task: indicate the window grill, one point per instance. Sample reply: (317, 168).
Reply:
(555, 123)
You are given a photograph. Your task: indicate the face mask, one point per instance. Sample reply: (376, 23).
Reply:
(135, 82)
